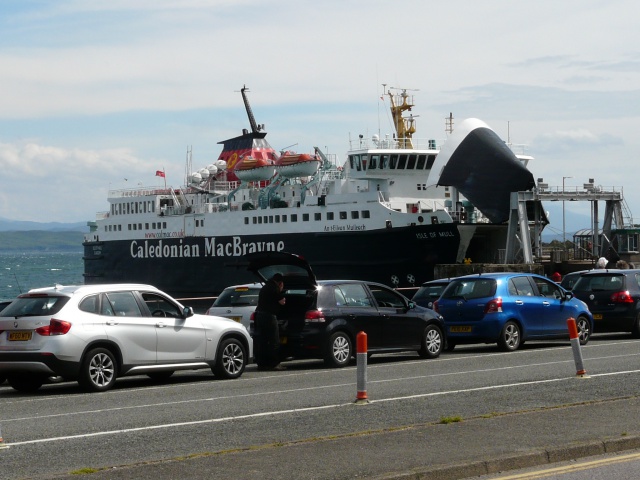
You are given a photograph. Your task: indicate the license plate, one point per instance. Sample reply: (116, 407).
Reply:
(236, 319)
(597, 316)
(19, 336)
(463, 329)
(283, 340)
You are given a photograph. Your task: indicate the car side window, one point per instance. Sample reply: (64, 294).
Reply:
(124, 304)
(521, 286)
(386, 298)
(89, 304)
(547, 289)
(159, 306)
(105, 307)
(354, 295)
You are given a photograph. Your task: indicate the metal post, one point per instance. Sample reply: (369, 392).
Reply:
(361, 357)
(564, 236)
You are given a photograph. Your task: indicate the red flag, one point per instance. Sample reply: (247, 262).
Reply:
(159, 173)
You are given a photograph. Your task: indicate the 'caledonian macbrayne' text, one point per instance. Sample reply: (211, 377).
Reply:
(212, 248)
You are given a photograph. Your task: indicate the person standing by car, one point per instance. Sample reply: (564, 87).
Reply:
(267, 334)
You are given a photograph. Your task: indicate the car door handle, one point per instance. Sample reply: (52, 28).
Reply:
(519, 302)
(161, 324)
(546, 304)
(111, 322)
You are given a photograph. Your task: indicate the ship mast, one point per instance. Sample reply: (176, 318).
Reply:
(405, 126)
(254, 126)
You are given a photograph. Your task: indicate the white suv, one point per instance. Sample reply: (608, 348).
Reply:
(96, 333)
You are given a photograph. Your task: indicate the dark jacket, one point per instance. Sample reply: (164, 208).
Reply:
(269, 297)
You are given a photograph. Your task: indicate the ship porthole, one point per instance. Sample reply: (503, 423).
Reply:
(420, 219)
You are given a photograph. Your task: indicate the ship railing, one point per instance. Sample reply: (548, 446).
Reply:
(140, 191)
(394, 143)
(224, 186)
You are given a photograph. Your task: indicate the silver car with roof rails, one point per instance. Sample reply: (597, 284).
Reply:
(96, 333)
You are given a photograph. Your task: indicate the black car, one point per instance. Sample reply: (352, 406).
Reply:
(570, 279)
(321, 319)
(613, 299)
(429, 292)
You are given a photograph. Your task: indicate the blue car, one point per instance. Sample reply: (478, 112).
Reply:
(509, 308)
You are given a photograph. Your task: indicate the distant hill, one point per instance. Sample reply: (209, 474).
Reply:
(18, 235)
(39, 240)
(7, 225)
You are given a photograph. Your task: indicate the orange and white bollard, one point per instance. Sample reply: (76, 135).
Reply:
(575, 345)
(2, 444)
(361, 358)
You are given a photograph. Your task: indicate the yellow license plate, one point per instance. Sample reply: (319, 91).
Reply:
(19, 336)
(236, 319)
(464, 329)
(283, 340)
(597, 316)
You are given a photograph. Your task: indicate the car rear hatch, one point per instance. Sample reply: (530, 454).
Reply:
(466, 299)
(299, 281)
(604, 293)
(26, 324)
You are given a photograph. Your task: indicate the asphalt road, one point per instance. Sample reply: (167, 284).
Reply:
(468, 406)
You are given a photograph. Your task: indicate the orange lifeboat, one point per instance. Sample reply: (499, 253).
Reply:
(293, 165)
(250, 169)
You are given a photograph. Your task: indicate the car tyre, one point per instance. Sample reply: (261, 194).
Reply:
(98, 371)
(26, 384)
(339, 350)
(2, 379)
(231, 359)
(432, 342)
(584, 329)
(510, 337)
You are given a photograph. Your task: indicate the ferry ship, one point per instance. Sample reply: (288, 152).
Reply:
(392, 211)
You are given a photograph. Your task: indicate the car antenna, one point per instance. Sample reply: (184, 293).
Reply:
(17, 282)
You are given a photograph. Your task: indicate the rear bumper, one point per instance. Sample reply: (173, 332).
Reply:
(36, 363)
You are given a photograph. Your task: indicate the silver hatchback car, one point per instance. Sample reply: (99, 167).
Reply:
(96, 333)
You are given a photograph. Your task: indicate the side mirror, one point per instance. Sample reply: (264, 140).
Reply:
(187, 312)
(412, 304)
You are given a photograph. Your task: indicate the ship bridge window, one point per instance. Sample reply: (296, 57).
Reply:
(329, 215)
(355, 214)
(384, 161)
(430, 160)
(422, 161)
(317, 216)
(374, 161)
(411, 165)
(343, 215)
(393, 162)
(365, 159)
(402, 162)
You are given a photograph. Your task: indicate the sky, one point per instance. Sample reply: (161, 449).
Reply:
(99, 95)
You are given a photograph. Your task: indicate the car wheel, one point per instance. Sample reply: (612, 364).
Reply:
(432, 342)
(160, 376)
(98, 370)
(231, 359)
(2, 379)
(636, 327)
(584, 329)
(339, 350)
(509, 337)
(26, 384)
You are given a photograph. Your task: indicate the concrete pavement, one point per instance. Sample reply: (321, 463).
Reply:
(436, 451)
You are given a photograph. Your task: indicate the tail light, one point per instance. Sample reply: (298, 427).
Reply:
(314, 316)
(621, 297)
(434, 307)
(494, 306)
(55, 327)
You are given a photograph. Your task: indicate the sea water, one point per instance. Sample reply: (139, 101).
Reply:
(22, 271)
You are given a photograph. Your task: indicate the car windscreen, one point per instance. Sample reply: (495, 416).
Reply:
(470, 288)
(238, 297)
(33, 306)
